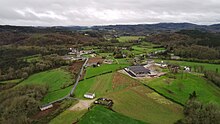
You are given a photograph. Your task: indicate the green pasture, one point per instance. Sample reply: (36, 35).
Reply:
(179, 89)
(54, 79)
(102, 115)
(129, 38)
(95, 71)
(206, 66)
(146, 105)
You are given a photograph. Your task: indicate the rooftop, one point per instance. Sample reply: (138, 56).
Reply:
(138, 69)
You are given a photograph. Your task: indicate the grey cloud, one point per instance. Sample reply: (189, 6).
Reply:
(100, 12)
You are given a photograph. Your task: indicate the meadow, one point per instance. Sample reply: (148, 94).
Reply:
(54, 79)
(102, 115)
(68, 117)
(146, 105)
(128, 38)
(127, 93)
(104, 68)
(179, 89)
(206, 66)
(99, 85)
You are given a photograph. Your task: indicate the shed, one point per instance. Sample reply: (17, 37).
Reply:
(89, 95)
(45, 107)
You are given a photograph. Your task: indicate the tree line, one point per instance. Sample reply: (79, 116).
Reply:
(213, 77)
(196, 112)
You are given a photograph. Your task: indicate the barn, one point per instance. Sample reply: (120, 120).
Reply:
(89, 95)
(45, 107)
(137, 71)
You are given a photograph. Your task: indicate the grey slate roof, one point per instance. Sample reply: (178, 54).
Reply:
(139, 69)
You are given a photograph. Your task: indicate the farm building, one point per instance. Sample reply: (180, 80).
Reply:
(45, 107)
(89, 95)
(137, 71)
(94, 62)
(162, 65)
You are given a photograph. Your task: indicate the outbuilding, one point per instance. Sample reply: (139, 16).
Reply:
(138, 71)
(89, 95)
(45, 107)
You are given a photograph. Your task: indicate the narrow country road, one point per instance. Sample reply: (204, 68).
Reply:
(79, 75)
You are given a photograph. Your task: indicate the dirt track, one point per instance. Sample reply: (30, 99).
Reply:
(82, 104)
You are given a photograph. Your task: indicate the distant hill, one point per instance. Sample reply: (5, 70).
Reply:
(121, 29)
(149, 28)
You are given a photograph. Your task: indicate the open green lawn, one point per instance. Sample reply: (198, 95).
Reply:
(179, 89)
(144, 104)
(94, 71)
(54, 79)
(192, 64)
(129, 38)
(101, 115)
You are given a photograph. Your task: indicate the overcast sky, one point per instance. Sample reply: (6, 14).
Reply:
(103, 12)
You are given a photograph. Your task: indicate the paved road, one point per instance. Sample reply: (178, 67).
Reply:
(74, 87)
(79, 75)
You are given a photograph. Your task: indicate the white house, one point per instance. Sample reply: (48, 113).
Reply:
(89, 95)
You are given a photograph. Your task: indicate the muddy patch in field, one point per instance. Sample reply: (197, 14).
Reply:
(121, 80)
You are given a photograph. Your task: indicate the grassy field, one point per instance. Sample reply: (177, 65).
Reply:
(91, 71)
(54, 79)
(127, 93)
(101, 115)
(192, 64)
(99, 85)
(180, 88)
(129, 38)
(104, 84)
(144, 104)
(32, 58)
(123, 61)
(68, 117)
(106, 55)
(51, 96)
(142, 49)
